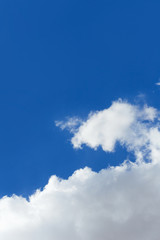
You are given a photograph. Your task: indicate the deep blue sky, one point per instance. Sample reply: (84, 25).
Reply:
(66, 58)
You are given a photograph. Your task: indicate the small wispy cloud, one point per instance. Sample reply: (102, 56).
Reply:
(71, 124)
(158, 83)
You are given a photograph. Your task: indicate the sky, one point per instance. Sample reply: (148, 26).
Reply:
(79, 100)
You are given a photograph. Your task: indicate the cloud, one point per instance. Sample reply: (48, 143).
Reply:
(71, 124)
(130, 125)
(158, 83)
(116, 203)
(120, 202)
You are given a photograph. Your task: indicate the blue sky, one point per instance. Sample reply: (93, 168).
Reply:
(67, 58)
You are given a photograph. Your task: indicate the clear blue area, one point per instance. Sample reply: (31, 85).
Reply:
(66, 58)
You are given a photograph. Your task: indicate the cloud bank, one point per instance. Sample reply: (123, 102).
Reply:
(120, 202)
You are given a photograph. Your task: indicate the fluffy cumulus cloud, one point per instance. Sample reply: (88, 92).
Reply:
(128, 124)
(120, 202)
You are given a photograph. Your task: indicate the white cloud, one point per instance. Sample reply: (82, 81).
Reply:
(128, 124)
(120, 202)
(71, 124)
(158, 83)
(115, 203)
